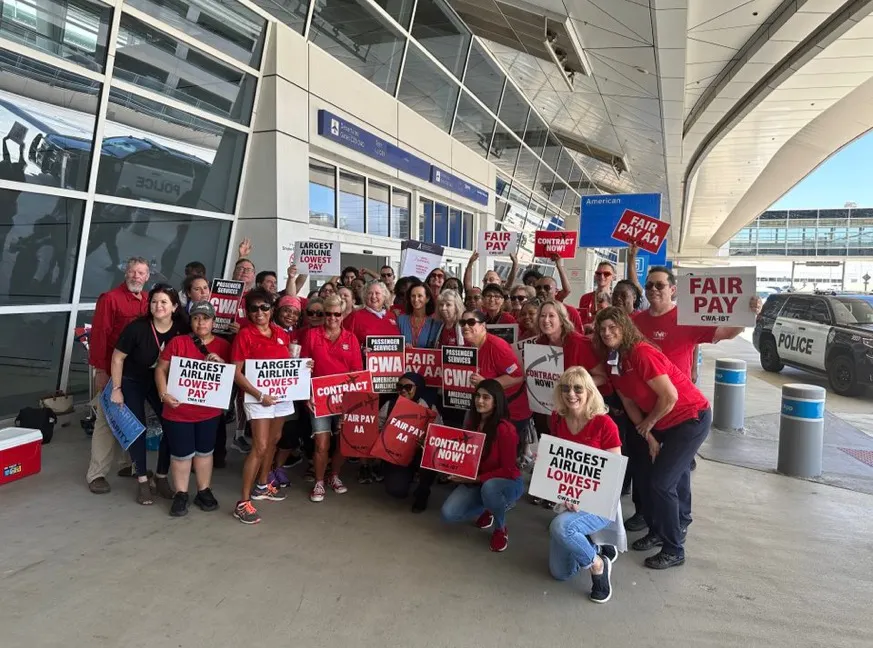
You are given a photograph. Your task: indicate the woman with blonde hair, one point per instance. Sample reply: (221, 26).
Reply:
(449, 308)
(580, 416)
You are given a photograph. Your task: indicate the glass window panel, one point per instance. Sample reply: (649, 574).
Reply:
(473, 125)
(456, 228)
(165, 155)
(526, 169)
(426, 90)
(438, 29)
(351, 202)
(73, 30)
(552, 151)
(225, 25)
(400, 201)
(504, 150)
(514, 110)
(79, 370)
(468, 231)
(399, 10)
(441, 224)
(535, 215)
(322, 194)
(425, 220)
(31, 349)
(39, 243)
(47, 121)
(168, 240)
(536, 134)
(353, 33)
(544, 182)
(150, 59)
(290, 12)
(565, 164)
(483, 78)
(377, 208)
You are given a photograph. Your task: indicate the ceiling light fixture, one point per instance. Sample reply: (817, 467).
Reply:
(641, 70)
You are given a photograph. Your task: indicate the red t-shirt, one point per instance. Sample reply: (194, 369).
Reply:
(587, 308)
(601, 432)
(501, 459)
(575, 318)
(183, 346)
(496, 358)
(115, 309)
(330, 358)
(502, 318)
(449, 337)
(363, 323)
(677, 342)
(578, 351)
(251, 344)
(646, 362)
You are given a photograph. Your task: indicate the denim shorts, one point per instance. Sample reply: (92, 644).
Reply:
(189, 439)
(325, 424)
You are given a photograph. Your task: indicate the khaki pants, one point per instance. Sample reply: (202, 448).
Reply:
(105, 450)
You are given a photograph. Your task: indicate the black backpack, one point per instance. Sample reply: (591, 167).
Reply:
(38, 418)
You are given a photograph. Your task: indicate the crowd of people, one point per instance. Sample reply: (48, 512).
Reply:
(628, 387)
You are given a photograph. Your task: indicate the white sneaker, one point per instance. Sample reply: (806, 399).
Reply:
(337, 485)
(317, 493)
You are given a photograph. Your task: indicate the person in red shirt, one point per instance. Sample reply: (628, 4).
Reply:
(498, 484)
(580, 416)
(603, 277)
(191, 429)
(115, 310)
(673, 418)
(527, 320)
(333, 350)
(449, 309)
(262, 340)
(546, 289)
(493, 299)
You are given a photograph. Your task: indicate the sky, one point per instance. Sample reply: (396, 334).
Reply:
(844, 177)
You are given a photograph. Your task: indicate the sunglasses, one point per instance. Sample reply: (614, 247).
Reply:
(602, 274)
(387, 275)
(518, 298)
(254, 308)
(544, 289)
(469, 322)
(576, 389)
(405, 387)
(657, 285)
(438, 275)
(315, 313)
(330, 314)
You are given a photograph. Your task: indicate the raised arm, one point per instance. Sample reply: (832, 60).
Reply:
(468, 272)
(510, 278)
(564, 290)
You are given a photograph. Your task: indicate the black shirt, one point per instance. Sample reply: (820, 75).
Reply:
(143, 344)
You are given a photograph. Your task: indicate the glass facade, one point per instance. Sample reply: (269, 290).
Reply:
(808, 232)
(444, 225)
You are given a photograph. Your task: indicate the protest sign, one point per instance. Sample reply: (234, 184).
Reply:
(199, 382)
(578, 474)
(506, 332)
(386, 361)
(716, 296)
(417, 258)
(547, 244)
(543, 366)
(284, 380)
(452, 451)
(359, 428)
(17, 134)
(318, 258)
(500, 243)
(225, 298)
(403, 433)
(647, 232)
(328, 391)
(426, 363)
(123, 424)
(459, 364)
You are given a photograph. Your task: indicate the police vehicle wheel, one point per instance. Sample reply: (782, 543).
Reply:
(770, 356)
(842, 376)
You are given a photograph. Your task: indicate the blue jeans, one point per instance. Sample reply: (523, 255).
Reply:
(136, 393)
(469, 501)
(569, 548)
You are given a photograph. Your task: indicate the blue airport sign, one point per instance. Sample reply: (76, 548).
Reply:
(457, 185)
(598, 216)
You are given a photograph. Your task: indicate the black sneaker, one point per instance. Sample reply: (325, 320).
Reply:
(635, 522)
(179, 507)
(694, 464)
(601, 584)
(293, 461)
(365, 476)
(206, 500)
(608, 551)
(419, 504)
(647, 542)
(664, 560)
(376, 472)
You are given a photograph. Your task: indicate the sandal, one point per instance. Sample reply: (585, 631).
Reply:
(144, 494)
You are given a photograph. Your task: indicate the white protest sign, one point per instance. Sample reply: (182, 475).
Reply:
(578, 474)
(198, 382)
(497, 243)
(715, 296)
(417, 258)
(543, 366)
(318, 258)
(285, 380)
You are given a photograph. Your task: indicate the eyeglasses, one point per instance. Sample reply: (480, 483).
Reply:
(254, 308)
(602, 274)
(331, 314)
(314, 313)
(656, 285)
(576, 389)
(518, 298)
(163, 287)
(469, 322)
(245, 270)
(405, 387)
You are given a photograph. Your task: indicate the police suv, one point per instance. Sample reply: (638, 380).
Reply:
(825, 334)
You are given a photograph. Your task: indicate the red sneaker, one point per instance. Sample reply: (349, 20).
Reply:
(499, 539)
(485, 520)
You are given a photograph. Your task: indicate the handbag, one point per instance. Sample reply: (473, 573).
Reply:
(38, 418)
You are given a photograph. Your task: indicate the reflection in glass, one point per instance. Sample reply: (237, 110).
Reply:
(473, 126)
(73, 30)
(161, 154)
(427, 90)
(456, 228)
(565, 164)
(153, 60)
(438, 29)
(504, 150)
(536, 133)
(483, 78)
(514, 110)
(47, 123)
(31, 349)
(168, 240)
(351, 202)
(322, 194)
(377, 208)
(354, 34)
(425, 220)
(291, 12)
(79, 370)
(441, 224)
(39, 242)
(225, 25)
(526, 169)
(468, 231)
(400, 201)
(552, 151)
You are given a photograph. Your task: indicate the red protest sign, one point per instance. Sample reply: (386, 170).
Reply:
(647, 232)
(547, 244)
(459, 365)
(225, 298)
(360, 425)
(328, 391)
(386, 361)
(452, 451)
(426, 363)
(403, 433)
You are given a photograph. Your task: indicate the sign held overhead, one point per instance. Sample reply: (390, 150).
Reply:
(647, 232)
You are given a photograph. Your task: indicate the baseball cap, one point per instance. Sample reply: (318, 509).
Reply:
(202, 308)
